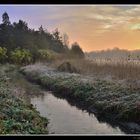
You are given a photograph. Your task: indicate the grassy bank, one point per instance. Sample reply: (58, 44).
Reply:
(17, 115)
(119, 102)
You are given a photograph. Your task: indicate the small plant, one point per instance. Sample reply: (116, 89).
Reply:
(46, 55)
(3, 54)
(21, 56)
(17, 116)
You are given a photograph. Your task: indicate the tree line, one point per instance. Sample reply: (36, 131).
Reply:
(18, 41)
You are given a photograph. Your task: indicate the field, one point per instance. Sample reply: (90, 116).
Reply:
(116, 69)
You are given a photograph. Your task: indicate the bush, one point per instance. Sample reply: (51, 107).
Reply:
(67, 67)
(21, 56)
(76, 51)
(46, 55)
(3, 54)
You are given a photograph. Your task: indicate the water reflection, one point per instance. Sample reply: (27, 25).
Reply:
(66, 117)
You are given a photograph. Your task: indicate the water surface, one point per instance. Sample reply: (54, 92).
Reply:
(67, 119)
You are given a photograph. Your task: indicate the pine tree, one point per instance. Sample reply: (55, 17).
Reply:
(5, 19)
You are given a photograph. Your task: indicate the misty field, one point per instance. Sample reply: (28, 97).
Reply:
(115, 69)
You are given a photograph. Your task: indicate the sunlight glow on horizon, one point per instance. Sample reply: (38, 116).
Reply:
(93, 27)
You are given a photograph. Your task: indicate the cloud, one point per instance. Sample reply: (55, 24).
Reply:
(136, 27)
(92, 26)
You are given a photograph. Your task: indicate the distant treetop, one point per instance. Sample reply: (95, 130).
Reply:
(5, 19)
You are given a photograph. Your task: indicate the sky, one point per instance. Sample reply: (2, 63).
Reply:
(94, 27)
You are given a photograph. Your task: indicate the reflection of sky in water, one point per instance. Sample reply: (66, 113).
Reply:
(67, 119)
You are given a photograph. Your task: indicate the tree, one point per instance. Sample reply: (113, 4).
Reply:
(21, 25)
(5, 19)
(77, 51)
(65, 40)
(57, 42)
(56, 35)
(41, 30)
(6, 32)
(18, 34)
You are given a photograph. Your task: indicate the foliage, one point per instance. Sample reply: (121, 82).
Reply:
(5, 19)
(21, 25)
(46, 55)
(3, 54)
(65, 40)
(77, 51)
(21, 56)
(19, 34)
(16, 115)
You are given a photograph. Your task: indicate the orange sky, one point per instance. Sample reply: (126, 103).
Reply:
(94, 27)
(103, 27)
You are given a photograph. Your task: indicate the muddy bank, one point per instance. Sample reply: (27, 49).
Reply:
(107, 99)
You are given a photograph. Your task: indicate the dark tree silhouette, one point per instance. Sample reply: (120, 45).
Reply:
(65, 40)
(41, 30)
(19, 35)
(77, 51)
(21, 25)
(5, 19)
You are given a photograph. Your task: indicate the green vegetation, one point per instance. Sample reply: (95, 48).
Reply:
(109, 99)
(31, 45)
(46, 55)
(16, 115)
(3, 54)
(21, 56)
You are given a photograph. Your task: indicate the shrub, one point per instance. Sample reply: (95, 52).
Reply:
(77, 51)
(21, 56)
(46, 55)
(67, 67)
(3, 54)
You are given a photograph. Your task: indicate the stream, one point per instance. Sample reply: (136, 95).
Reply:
(67, 119)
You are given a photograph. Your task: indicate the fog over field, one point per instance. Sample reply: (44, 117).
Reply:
(115, 53)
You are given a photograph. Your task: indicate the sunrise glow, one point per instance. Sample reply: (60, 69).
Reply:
(93, 27)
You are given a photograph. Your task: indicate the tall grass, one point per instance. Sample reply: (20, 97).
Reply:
(117, 69)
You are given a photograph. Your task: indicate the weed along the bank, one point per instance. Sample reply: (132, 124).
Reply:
(17, 115)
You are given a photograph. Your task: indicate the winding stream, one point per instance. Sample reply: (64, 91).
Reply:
(67, 119)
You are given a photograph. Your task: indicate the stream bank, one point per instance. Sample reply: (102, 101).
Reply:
(17, 115)
(109, 100)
